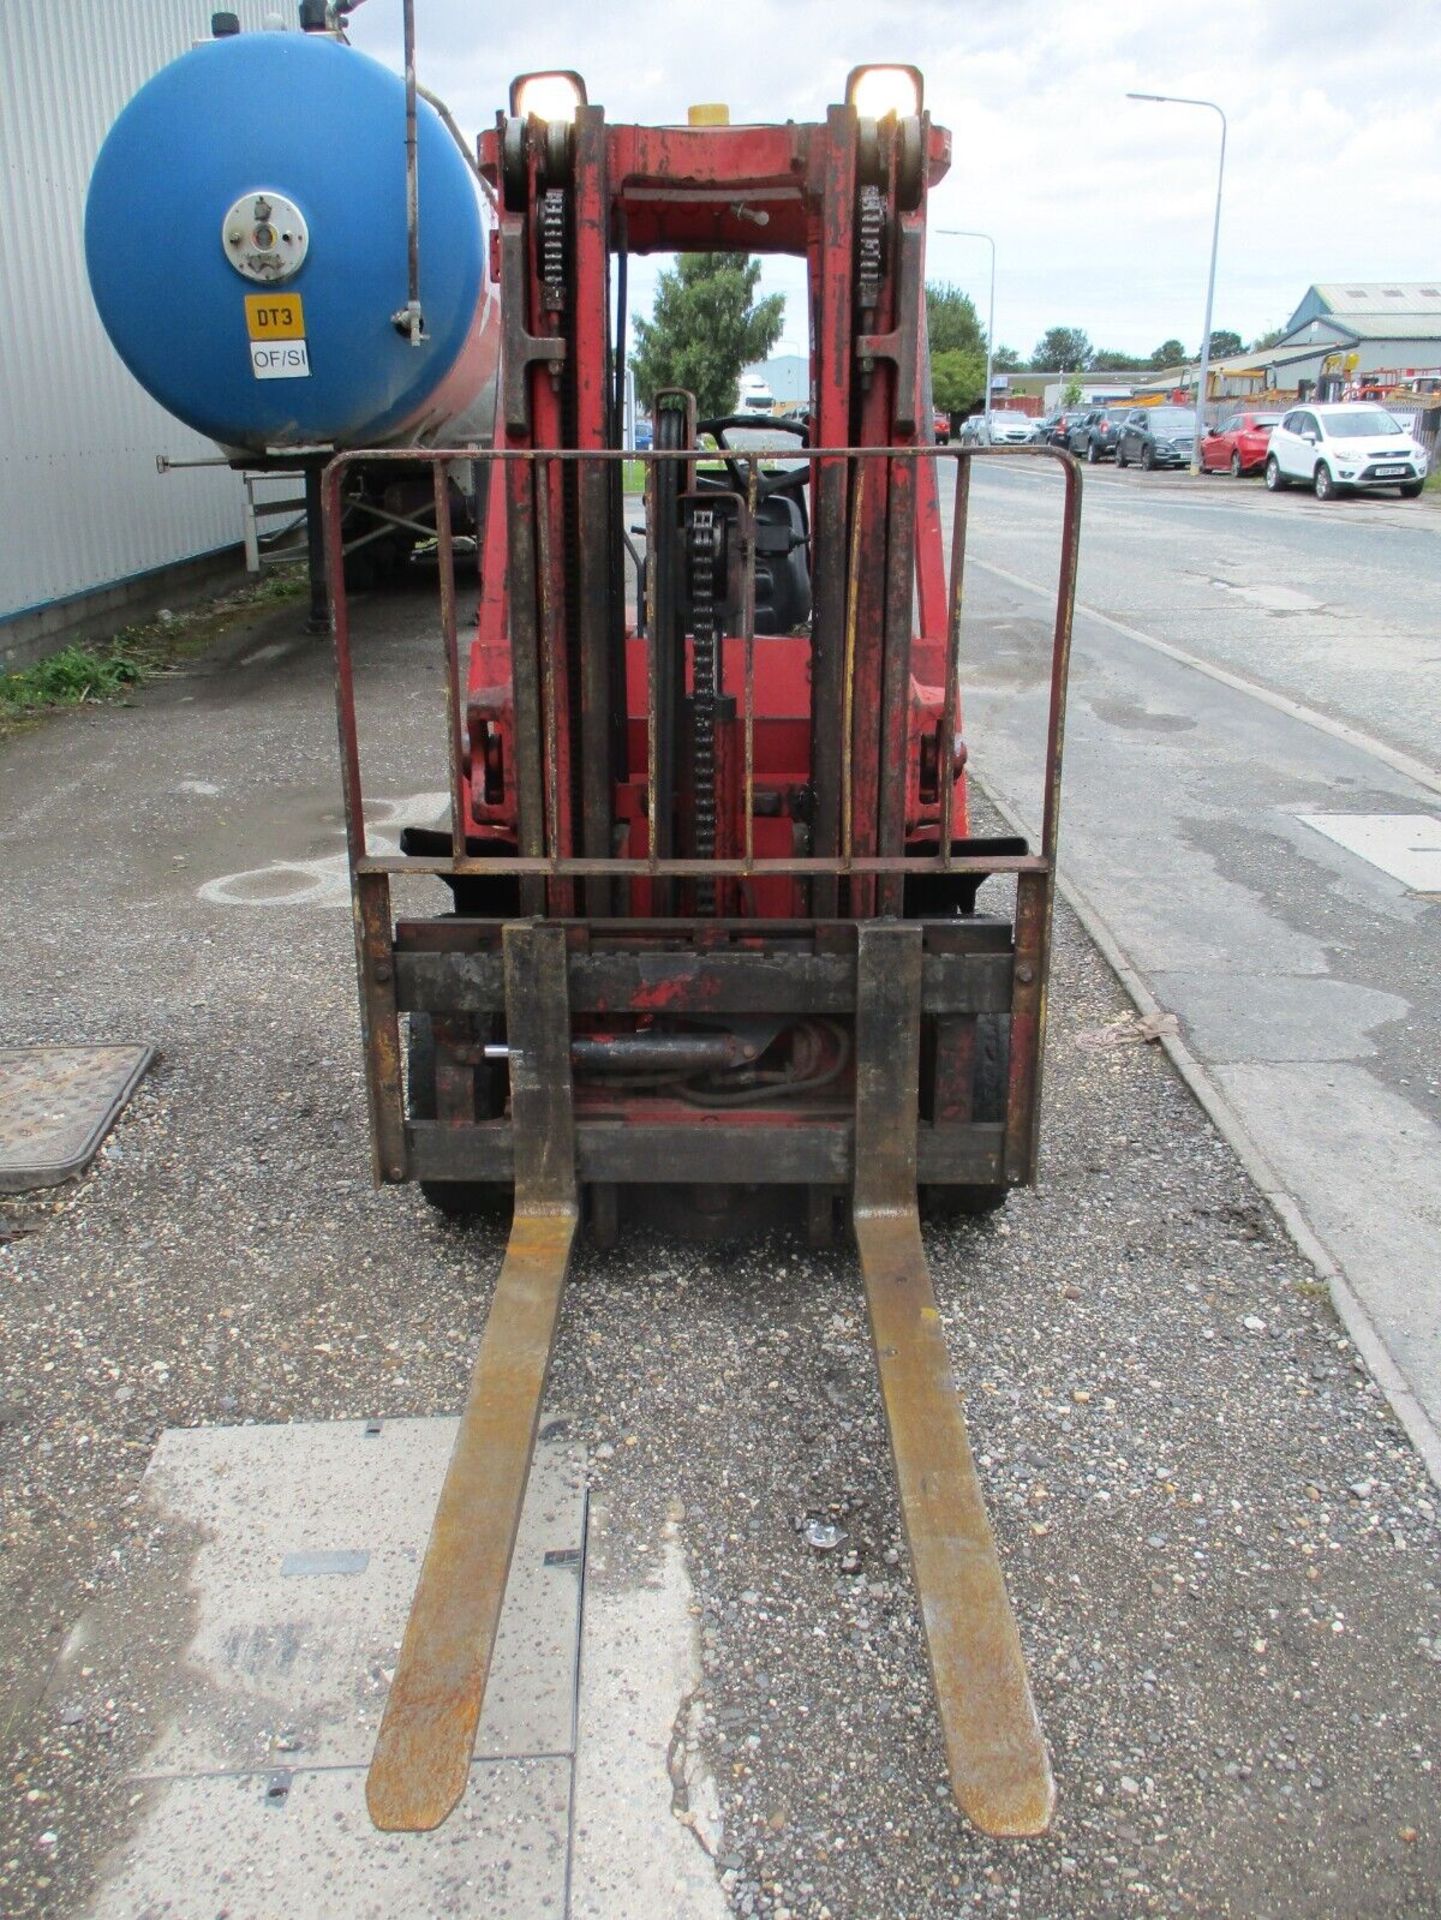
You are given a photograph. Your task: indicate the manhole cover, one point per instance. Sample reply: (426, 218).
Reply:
(57, 1104)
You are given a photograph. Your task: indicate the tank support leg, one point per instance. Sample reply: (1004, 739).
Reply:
(319, 620)
(1000, 1770)
(422, 1756)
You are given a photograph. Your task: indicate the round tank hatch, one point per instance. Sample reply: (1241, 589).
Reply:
(265, 237)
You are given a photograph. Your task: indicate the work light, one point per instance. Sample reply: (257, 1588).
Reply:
(875, 92)
(549, 96)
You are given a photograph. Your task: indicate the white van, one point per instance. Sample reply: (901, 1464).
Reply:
(756, 396)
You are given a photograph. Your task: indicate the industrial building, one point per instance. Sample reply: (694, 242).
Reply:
(90, 532)
(1383, 334)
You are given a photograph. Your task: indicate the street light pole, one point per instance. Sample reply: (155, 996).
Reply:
(966, 233)
(1180, 100)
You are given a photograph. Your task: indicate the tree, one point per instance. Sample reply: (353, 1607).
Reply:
(1264, 340)
(1106, 360)
(1006, 360)
(952, 322)
(1071, 393)
(705, 326)
(1223, 343)
(1170, 353)
(1062, 350)
(958, 378)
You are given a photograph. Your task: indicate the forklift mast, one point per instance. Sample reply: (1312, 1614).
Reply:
(848, 751)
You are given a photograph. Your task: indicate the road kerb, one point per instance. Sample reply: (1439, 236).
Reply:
(1420, 1429)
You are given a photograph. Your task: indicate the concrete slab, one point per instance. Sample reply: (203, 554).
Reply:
(311, 1539)
(251, 1848)
(304, 1584)
(647, 1819)
(1405, 845)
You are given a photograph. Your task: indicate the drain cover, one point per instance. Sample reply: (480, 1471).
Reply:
(57, 1104)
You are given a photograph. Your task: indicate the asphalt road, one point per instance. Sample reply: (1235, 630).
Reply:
(1244, 663)
(1222, 1549)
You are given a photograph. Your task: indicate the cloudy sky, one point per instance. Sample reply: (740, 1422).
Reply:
(1100, 207)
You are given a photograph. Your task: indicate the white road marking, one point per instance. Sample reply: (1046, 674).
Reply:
(324, 882)
(1405, 845)
(284, 883)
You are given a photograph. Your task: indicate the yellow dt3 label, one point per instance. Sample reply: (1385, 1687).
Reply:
(274, 316)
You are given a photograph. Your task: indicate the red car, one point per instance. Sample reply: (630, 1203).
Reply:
(1239, 443)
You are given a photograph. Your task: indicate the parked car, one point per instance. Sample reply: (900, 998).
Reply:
(1055, 429)
(1239, 443)
(1344, 449)
(1157, 437)
(1008, 428)
(1096, 434)
(643, 436)
(942, 427)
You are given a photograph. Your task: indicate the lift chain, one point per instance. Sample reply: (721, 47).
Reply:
(705, 552)
(551, 232)
(871, 227)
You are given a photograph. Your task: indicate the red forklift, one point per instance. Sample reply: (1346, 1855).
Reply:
(715, 931)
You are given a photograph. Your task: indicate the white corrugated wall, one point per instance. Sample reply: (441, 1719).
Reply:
(81, 504)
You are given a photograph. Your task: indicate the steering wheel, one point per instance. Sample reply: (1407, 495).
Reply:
(766, 483)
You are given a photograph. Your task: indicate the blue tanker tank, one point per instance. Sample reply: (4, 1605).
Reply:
(246, 240)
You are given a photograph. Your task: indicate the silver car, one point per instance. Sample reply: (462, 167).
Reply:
(1008, 428)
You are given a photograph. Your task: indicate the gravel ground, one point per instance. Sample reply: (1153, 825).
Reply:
(1222, 1551)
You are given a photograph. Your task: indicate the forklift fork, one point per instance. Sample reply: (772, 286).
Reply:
(422, 1755)
(1000, 1772)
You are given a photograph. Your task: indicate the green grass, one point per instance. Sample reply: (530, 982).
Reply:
(101, 671)
(70, 678)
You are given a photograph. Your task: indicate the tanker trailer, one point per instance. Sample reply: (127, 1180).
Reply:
(255, 239)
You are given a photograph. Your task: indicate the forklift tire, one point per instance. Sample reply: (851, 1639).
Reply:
(961, 1203)
(457, 1198)
(993, 1068)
